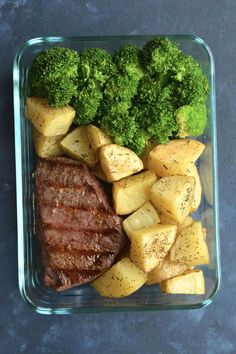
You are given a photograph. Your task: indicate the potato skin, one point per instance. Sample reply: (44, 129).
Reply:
(132, 192)
(118, 162)
(49, 121)
(174, 157)
(122, 279)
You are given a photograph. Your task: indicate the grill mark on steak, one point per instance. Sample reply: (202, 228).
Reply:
(79, 232)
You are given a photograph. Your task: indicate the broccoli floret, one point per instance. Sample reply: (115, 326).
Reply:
(86, 102)
(191, 120)
(95, 64)
(192, 85)
(120, 127)
(139, 141)
(53, 74)
(127, 60)
(120, 87)
(159, 55)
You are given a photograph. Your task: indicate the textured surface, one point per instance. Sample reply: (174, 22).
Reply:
(210, 330)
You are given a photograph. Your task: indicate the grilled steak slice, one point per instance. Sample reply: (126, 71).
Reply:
(79, 233)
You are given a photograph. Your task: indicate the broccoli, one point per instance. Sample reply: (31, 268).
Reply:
(191, 120)
(120, 127)
(53, 74)
(95, 64)
(160, 55)
(127, 60)
(86, 102)
(120, 87)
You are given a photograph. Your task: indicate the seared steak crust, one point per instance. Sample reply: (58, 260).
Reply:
(79, 233)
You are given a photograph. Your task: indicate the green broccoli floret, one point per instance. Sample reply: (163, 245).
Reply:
(191, 120)
(120, 87)
(191, 83)
(86, 102)
(138, 141)
(53, 74)
(127, 60)
(159, 56)
(120, 127)
(95, 64)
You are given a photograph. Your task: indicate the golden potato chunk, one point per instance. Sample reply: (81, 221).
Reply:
(49, 121)
(97, 137)
(122, 279)
(190, 246)
(192, 282)
(132, 192)
(166, 220)
(174, 157)
(150, 245)
(145, 216)
(166, 270)
(47, 146)
(77, 145)
(145, 153)
(192, 171)
(118, 162)
(173, 196)
(98, 172)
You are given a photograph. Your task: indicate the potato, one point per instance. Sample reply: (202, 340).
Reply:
(173, 196)
(118, 162)
(150, 245)
(174, 157)
(143, 217)
(98, 172)
(97, 137)
(49, 121)
(46, 146)
(190, 246)
(122, 279)
(192, 282)
(132, 192)
(77, 145)
(145, 153)
(166, 270)
(192, 171)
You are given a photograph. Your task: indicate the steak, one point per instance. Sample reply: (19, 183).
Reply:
(79, 233)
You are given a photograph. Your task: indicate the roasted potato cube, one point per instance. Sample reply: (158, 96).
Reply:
(192, 282)
(166, 220)
(118, 162)
(145, 153)
(174, 157)
(150, 245)
(190, 246)
(173, 196)
(132, 192)
(122, 279)
(192, 171)
(49, 121)
(145, 216)
(98, 172)
(97, 137)
(166, 270)
(77, 145)
(47, 146)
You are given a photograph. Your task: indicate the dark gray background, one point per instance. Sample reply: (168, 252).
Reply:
(209, 330)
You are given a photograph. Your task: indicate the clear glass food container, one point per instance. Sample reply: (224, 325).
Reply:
(84, 298)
